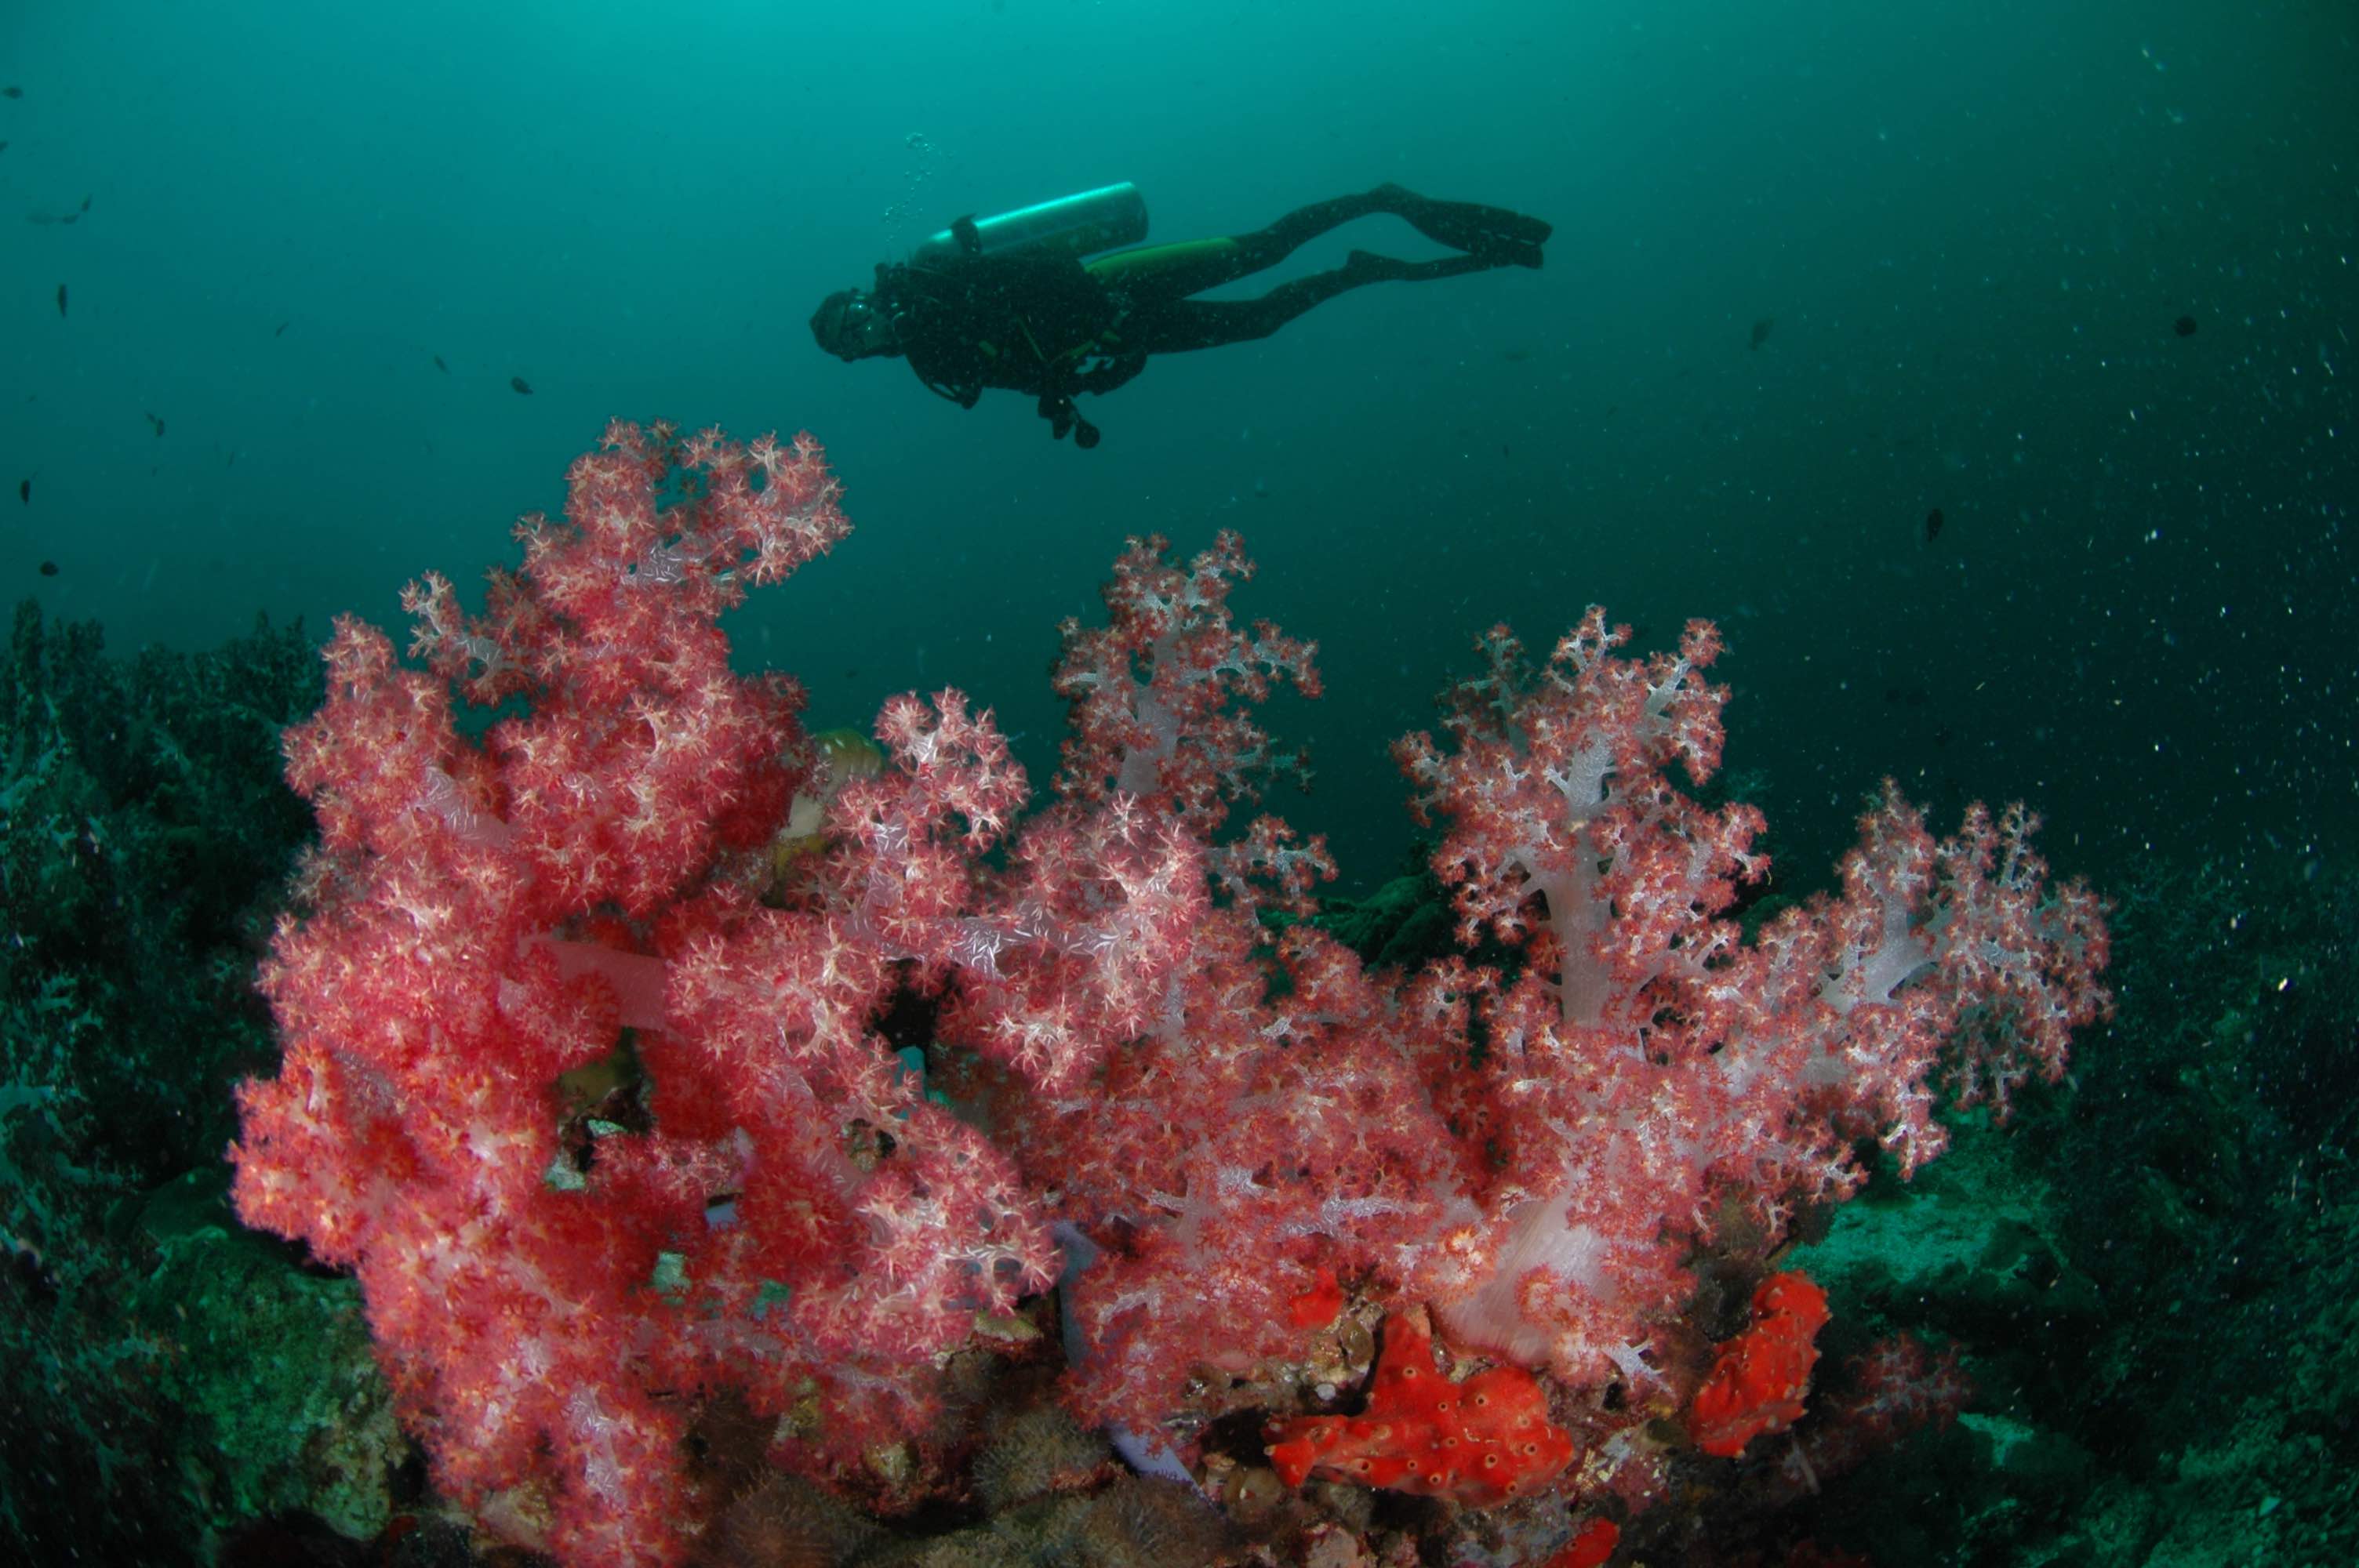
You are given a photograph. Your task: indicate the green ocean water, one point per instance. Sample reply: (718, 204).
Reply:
(271, 269)
(1983, 371)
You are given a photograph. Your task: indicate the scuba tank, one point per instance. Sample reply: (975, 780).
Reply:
(1078, 225)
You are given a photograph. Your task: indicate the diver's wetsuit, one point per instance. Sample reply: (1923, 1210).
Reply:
(1052, 326)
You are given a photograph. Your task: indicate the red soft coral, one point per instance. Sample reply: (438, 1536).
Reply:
(1480, 1443)
(1762, 1375)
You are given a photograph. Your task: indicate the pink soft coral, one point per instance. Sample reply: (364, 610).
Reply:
(1214, 1099)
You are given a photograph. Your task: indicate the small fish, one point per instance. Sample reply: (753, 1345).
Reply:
(521, 385)
(61, 299)
(71, 217)
(1761, 331)
(282, 328)
(25, 490)
(4, 146)
(12, 93)
(48, 569)
(441, 366)
(1932, 524)
(158, 424)
(2184, 326)
(85, 205)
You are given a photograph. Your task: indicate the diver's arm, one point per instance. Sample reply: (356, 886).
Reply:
(1102, 375)
(965, 394)
(1057, 385)
(945, 371)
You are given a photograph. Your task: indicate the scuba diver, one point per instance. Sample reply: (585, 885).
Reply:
(1010, 302)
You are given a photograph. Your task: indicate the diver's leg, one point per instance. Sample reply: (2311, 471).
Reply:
(1274, 243)
(1154, 273)
(1151, 273)
(1496, 233)
(1183, 324)
(1500, 233)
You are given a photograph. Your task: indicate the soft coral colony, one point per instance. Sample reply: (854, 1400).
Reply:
(586, 1079)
